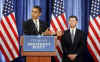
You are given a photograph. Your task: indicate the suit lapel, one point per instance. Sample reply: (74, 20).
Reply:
(33, 26)
(69, 35)
(75, 37)
(40, 26)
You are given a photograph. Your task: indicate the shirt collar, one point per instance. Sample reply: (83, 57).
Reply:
(73, 29)
(37, 20)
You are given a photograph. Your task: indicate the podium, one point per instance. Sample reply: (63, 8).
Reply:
(37, 55)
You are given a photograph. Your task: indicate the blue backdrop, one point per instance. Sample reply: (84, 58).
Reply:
(78, 8)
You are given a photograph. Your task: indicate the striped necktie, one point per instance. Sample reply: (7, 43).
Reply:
(72, 36)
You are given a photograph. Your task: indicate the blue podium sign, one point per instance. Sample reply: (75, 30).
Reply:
(39, 43)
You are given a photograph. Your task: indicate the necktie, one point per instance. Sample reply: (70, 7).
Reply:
(72, 36)
(36, 24)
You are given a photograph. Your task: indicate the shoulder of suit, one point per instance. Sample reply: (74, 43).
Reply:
(28, 22)
(44, 23)
(80, 31)
(67, 30)
(76, 30)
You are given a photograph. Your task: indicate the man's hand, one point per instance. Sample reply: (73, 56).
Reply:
(47, 32)
(59, 33)
(72, 57)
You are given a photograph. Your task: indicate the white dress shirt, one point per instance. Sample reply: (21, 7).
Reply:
(72, 34)
(73, 30)
(36, 22)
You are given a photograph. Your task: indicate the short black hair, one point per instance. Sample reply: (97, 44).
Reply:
(73, 17)
(38, 7)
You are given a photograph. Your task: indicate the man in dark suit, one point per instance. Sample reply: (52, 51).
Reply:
(73, 43)
(35, 26)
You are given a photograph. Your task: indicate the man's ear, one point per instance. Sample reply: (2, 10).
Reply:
(76, 22)
(40, 14)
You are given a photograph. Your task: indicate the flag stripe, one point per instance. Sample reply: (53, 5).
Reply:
(58, 56)
(2, 50)
(94, 34)
(13, 25)
(10, 32)
(62, 22)
(7, 46)
(9, 43)
(64, 19)
(93, 38)
(59, 44)
(93, 42)
(59, 51)
(94, 31)
(12, 20)
(59, 24)
(93, 51)
(8, 36)
(57, 60)
(98, 20)
(12, 28)
(95, 20)
(94, 27)
(55, 23)
(51, 28)
(10, 47)
(93, 55)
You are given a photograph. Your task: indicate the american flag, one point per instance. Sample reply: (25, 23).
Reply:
(58, 23)
(93, 39)
(9, 44)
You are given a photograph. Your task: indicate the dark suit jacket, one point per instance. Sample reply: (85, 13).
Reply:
(78, 47)
(30, 29)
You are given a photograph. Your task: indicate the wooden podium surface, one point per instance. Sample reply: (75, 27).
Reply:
(37, 56)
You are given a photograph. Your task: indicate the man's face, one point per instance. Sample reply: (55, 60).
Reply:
(72, 22)
(35, 13)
